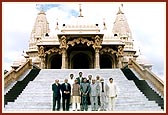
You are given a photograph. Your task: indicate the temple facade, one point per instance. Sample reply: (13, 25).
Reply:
(81, 45)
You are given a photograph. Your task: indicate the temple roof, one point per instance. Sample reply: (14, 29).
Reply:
(121, 26)
(80, 24)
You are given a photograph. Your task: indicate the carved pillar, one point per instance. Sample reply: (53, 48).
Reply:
(97, 46)
(42, 55)
(63, 59)
(97, 59)
(63, 47)
(120, 62)
(120, 56)
(42, 63)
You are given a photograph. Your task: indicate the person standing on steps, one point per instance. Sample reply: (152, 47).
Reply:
(56, 88)
(89, 81)
(85, 89)
(71, 82)
(76, 96)
(66, 92)
(80, 78)
(112, 94)
(94, 92)
(103, 95)
(98, 82)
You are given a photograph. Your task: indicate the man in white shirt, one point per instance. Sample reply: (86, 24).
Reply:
(98, 82)
(71, 82)
(111, 93)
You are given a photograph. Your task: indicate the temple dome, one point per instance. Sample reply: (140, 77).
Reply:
(142, 60)
(80, 22)
(109, 35)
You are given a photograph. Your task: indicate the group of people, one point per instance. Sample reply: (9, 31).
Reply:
(81, 92)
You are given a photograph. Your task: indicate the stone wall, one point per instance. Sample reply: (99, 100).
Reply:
(13, 75)
(146, 74)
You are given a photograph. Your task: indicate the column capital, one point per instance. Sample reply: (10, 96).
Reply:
(97, 50)
(63, 43)
(120, 51)
(41, 52)
(97, 42)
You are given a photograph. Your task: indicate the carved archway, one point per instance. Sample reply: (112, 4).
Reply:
(108, 58)
(53, 56)
(106, 61)
(74, 54)
(56, 62)
(80, 40)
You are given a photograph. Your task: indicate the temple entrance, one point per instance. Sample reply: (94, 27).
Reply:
(105, 62)
(56, 62)
(80, 56)
(80, 61)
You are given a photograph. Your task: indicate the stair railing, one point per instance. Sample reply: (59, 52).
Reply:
(13, 75)
(146, 74)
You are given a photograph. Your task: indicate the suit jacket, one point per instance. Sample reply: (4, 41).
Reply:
(63, 88)
(79, 82)
(85, 88)
(94, 89)
(105, 88)
(56, 90)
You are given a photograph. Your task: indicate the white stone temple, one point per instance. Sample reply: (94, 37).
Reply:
(81, 45)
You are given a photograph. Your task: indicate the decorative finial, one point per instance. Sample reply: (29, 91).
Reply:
(80, 11)
(120, 9)
(41, 8)
(140, 51)
(104, 24)
(57, 25)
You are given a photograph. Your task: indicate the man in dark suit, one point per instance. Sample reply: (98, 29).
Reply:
(89, 81)
(80, 78)
(79, 81)
(66, 91)
(85, 89)
(56, 88)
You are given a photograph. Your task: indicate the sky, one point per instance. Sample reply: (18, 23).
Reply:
(147, 22)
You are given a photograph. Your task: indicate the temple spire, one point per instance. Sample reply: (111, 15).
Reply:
(80, 11)
(41, 8)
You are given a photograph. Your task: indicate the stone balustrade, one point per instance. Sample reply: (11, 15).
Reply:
(13, 75)
(146, 74)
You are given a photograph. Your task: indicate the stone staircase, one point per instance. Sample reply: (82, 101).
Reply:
(37, 96)
(144, 87)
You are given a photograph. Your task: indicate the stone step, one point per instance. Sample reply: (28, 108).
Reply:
(37, 87)
(121, 107)
(37, 96)
(50, 102)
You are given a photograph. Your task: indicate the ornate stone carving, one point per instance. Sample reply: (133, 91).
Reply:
(108, 50)
(63, 43)
(56, 50)
(41, 52)
(97, 43)
(80, 40)
(120, 51)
